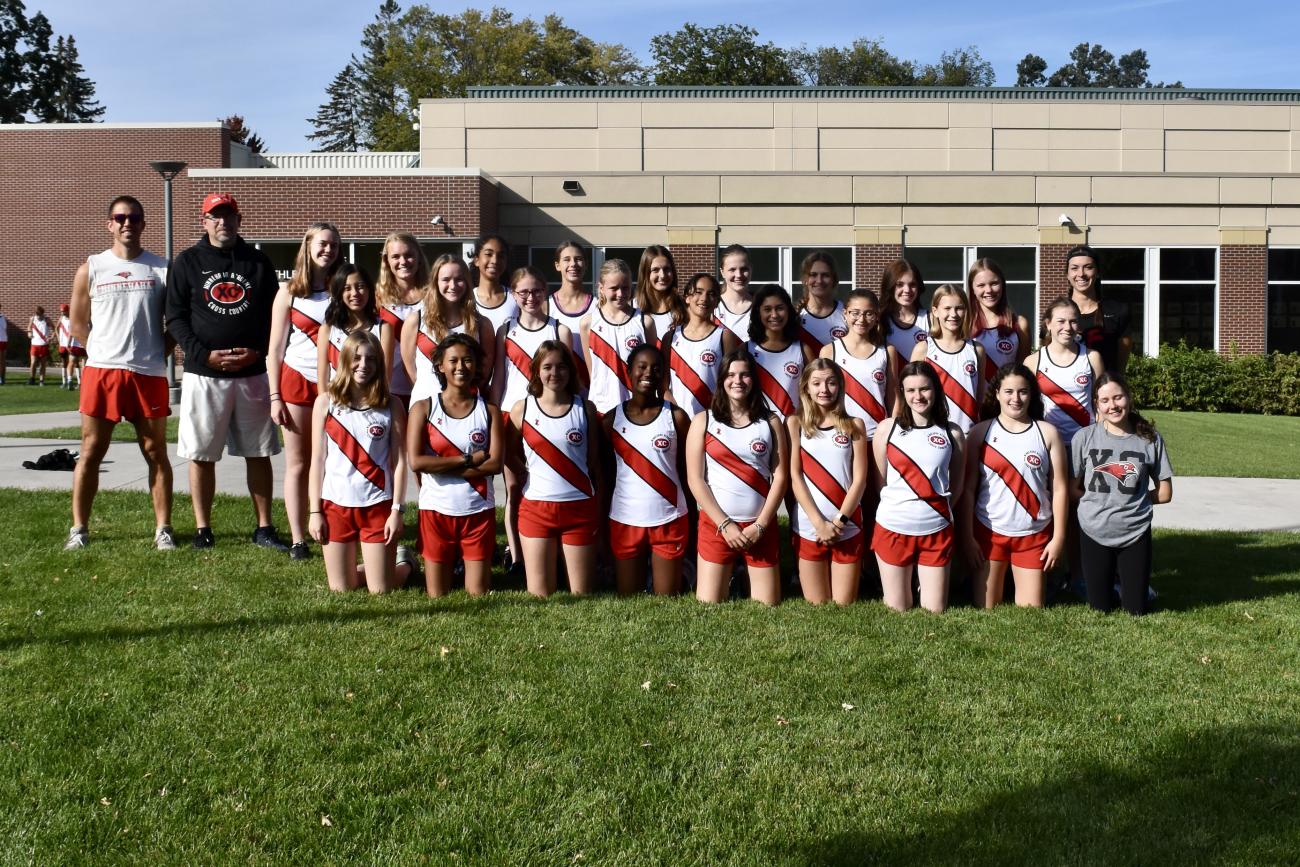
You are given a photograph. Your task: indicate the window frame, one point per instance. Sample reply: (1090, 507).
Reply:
(970, 252)
(1269, 283)
(1151, 289)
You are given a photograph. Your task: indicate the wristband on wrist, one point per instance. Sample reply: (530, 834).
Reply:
(724, 525)
(761, 528)
(399, 508)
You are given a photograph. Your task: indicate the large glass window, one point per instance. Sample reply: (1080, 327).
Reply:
(843, 257)
(1284, 300)
(1124, 278)
(543, 259)
(939, 265)
(367, 253)
(1187, 283)
(282, 255)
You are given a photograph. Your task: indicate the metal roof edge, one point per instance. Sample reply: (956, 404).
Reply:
(1027, 94)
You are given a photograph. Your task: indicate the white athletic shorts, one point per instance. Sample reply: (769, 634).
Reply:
(226, 415)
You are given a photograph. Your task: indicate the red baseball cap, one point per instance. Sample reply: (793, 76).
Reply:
(63, 308)
(217, 200)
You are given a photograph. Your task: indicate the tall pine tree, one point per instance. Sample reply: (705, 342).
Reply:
(71, 99)
(41, 78)
(339, 122)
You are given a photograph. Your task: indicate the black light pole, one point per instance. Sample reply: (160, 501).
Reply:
(169, 169)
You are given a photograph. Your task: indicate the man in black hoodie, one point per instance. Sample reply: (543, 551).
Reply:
(219, 297)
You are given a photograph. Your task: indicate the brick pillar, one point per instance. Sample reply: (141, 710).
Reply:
(1243, 290)
(1051, 274)
(874, 247)
(695, 250)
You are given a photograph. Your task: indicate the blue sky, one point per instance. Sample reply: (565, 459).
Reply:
(272, 60)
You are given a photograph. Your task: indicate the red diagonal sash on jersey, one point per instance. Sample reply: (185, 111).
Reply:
(425, 345)
(689, 377)
(916, 479)
(1011, 477)
(332, 355)
(808, 339)
(557, 460)
(775, 392)
(37, 329)
(354, 451)
(304, 323)
(820, 478)
(863, 397)
(990, 368)
(720, 452)
(515, 353)
(445, 448)
(1065, 401)
(64, 331)
(390, 317)
(649, 473)
(609, 356)
(953, 390)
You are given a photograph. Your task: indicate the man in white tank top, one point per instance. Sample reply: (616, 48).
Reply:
(121, 291)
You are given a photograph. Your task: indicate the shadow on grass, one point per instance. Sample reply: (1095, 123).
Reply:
(1195, 570)
(1227, 795)
(457, 604)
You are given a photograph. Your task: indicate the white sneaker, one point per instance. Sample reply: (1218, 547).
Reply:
(163, 540)
(78, 538)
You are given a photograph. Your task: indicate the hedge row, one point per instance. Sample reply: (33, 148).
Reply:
(1201, 380)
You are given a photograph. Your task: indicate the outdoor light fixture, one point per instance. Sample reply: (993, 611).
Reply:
(1066, 220)
(437, 220)
(573, 188)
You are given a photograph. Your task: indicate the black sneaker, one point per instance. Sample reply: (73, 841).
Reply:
(266, 537)
(298, 551)
(203, 538)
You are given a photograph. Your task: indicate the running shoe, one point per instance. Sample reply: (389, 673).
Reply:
(164, 539)
(299, 551)
(203, 538)
(266, 537)
(78, 538)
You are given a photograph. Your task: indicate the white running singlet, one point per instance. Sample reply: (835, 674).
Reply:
(395, 315)
(694, 367)
(999, 349)
(573, 321)
(65, 334)
(126, 310)
(736, 323)
(1015, 492)
(738, 466)
(778, 376)
(662, 322)
(448, 436)
(647, 488)
(914, 500)
(40, 329)
(864, 384)
(1067, 392)
(305, 318)
(521, 345)
(358, 463)
(555, 448)
(611, 346)
(817, 331)
(336, 338)
(500, 314)
(426, 381)
(959, 374)
(827, 462)
(905, 337)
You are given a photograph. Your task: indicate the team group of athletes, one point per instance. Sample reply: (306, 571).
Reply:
(640, 425)
(42, 336)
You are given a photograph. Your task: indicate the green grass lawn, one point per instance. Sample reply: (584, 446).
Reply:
(224, 707)
(16, 396)
(1241, 446)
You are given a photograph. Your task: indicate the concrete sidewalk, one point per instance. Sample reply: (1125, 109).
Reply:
(1199, 503)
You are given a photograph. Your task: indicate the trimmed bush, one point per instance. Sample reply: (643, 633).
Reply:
(1201, 380)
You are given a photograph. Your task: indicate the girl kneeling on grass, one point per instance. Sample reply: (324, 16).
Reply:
(648, 506)
(1116, 461)
(920, 455)
(829, 461)
(1018, 493)
(556, 452)
(454, 439)
(358, 471)
(735, 462)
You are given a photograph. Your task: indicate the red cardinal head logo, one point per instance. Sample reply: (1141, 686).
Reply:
(1125, 471)
(125, 275)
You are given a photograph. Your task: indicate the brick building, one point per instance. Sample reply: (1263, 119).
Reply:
(1192, 197)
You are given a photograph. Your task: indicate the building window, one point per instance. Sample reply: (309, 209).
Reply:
(367, 253)
(1283, 300)
(543, 259)
(1179, 283)
(781, 265)
(282, 254)
(939, 265)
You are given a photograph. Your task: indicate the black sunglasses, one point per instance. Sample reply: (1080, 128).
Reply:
(123, 219)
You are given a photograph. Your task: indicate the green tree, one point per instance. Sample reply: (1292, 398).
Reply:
(961, 67)
(865, 62)
(339, 122)
(71, 98)
(729, 54)
(1091, 66)
(242, 134)
(41, 77)
(1030, 71)
(13, 69)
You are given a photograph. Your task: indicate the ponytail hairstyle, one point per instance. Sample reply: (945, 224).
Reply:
(755, 406)
(938, 409)
(1085, 250)
(535, 367)
(1006, 316)
(565, 245)
(641, 349)
(611, 266)
(876, 334)
(458, 339)
(693, 286)
(375, 394)
(435, 318)
(1015, 368)
(895, 271)
(757, 330)
(300, 284)
(339, 315)
(1142, 426)
(1063, 301)
(647, 298)
(811, 415)
(478, 248)
(806, 269)
(944, 291)
(386, 290)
